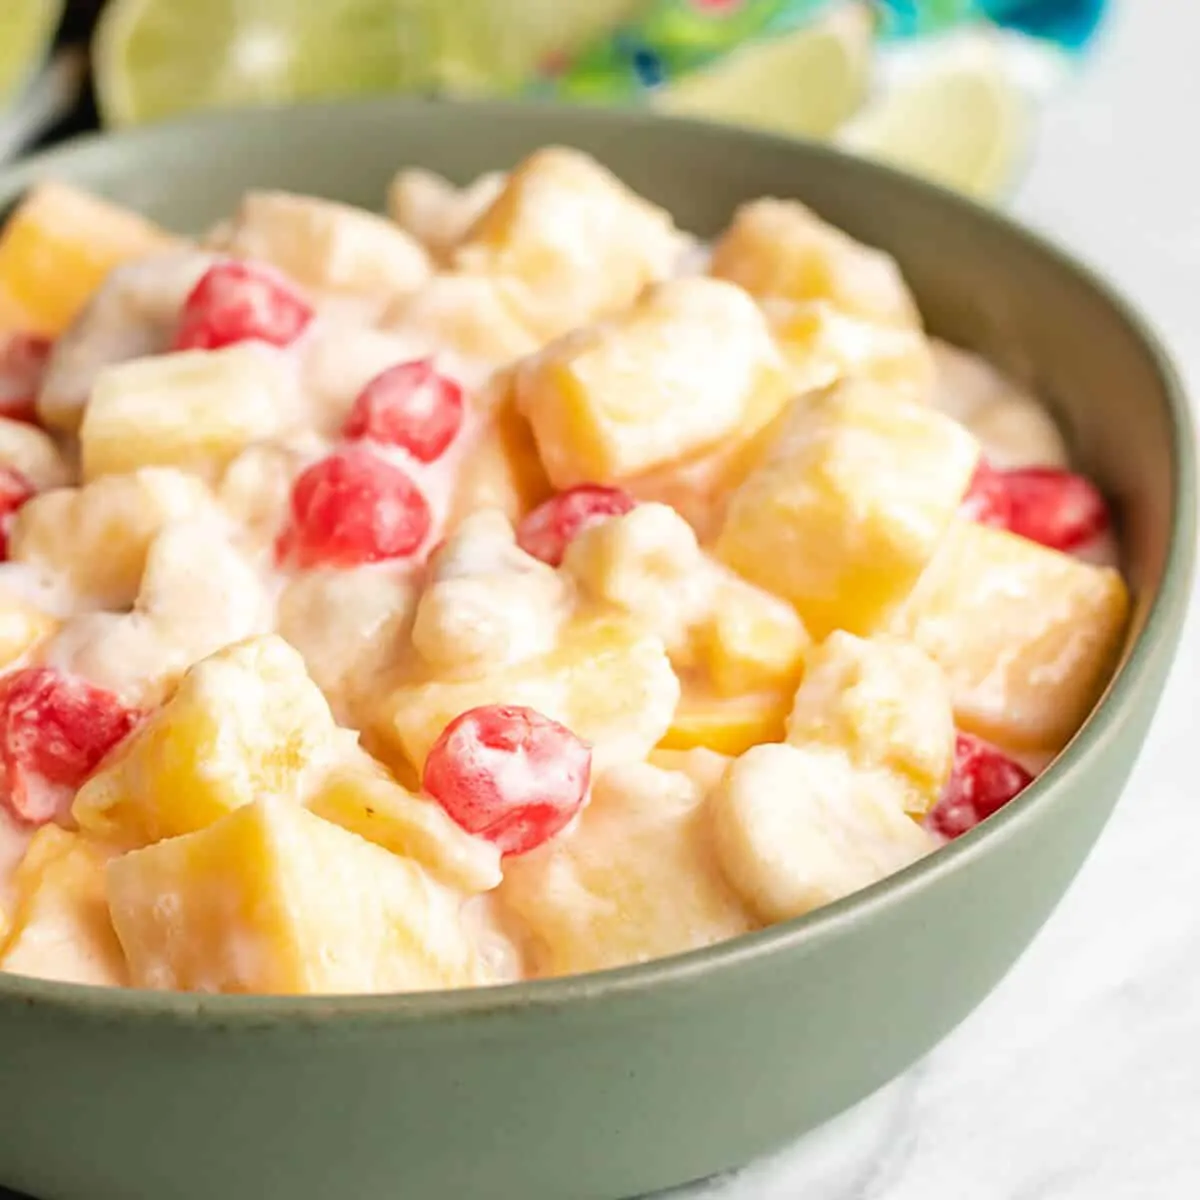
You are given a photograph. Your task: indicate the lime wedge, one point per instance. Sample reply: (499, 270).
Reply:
(964, 124)
(804, 83)
(27, 28)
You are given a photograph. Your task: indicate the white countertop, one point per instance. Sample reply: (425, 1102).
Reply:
(1079, 1078)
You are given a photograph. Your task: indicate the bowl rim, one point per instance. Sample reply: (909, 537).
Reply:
(1130, 680)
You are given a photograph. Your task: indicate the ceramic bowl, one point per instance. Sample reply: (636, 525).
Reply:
(624, 1081)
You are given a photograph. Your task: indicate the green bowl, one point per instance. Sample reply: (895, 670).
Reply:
(623, 1081)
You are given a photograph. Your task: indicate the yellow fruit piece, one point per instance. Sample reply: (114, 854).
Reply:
(573, 239)
(780, 249)
(636, 879)
(245, 722)
(27, 449)
(1027, 636)
(61, 927)
(727, 724)
(362, 797)
(96, 537)
(500, 469)
(849, 504)
(58, 246)
(324, 245)
(798, 827)
(689, 366)
(822, 345)
(22, 627)
(434, 211)
(274, 899)
(753, 641)
(608, 680)
(883, 702)
(196, 410)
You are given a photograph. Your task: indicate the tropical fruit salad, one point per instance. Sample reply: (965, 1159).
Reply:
(505, 587)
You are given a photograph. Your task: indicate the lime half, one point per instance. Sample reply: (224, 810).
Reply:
(27, 28)
(804, 83)
(965, 123)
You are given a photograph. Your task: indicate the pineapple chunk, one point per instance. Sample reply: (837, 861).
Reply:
(324, 245)
(573, 240)
(434, 211)
(97, 536)
(727, 724)
(57, 248)
(273, 899)
(61, 928)
(500, 469)
(362, 797)
(849, 504)
(822, 345)
(608, 680)
(635, 879)
(22, 627)
(196, 410)
(245, 722)
(133, 315)
(27, 449)
(779, 248)
(752, 640)
(796, 828)
(690, 366)
(883, 702)
(1027, 636)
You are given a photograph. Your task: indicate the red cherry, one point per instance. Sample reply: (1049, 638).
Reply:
(986, 501)
(546, 532)
(409, 405)
(509, 774)
(241, 302)
(1057, 508)
(23, 359)
(353, 507)
(54, 731)
(15, 489)
(982, 782)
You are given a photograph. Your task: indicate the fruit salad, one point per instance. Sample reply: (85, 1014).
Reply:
(503, 587)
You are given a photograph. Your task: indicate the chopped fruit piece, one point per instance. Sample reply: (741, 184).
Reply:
(635, 879)
(196, 410)
(22, 626)
(15, 490)
(509, 774)
(752, 641)
(779, 248)
(245, 722)
(983, 781)
(987, 500)
(574, 242)
(97, 536)
(241, 302)
(434, 211)
(23, 358)
(608, 680)
(727, 724)
(324, 245)
(61, 927)
(884, 703)
(1056, 508)
(57, 248)
(409, 405)
(546, 532)
(689, 367)
(31, 452)
(1027, 636)
(848, 505)
(274, 899)
(799, 827)
(54, 731)
(360, 796)
(353, 507)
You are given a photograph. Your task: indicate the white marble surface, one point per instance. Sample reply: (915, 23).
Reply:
(1079, 1079)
